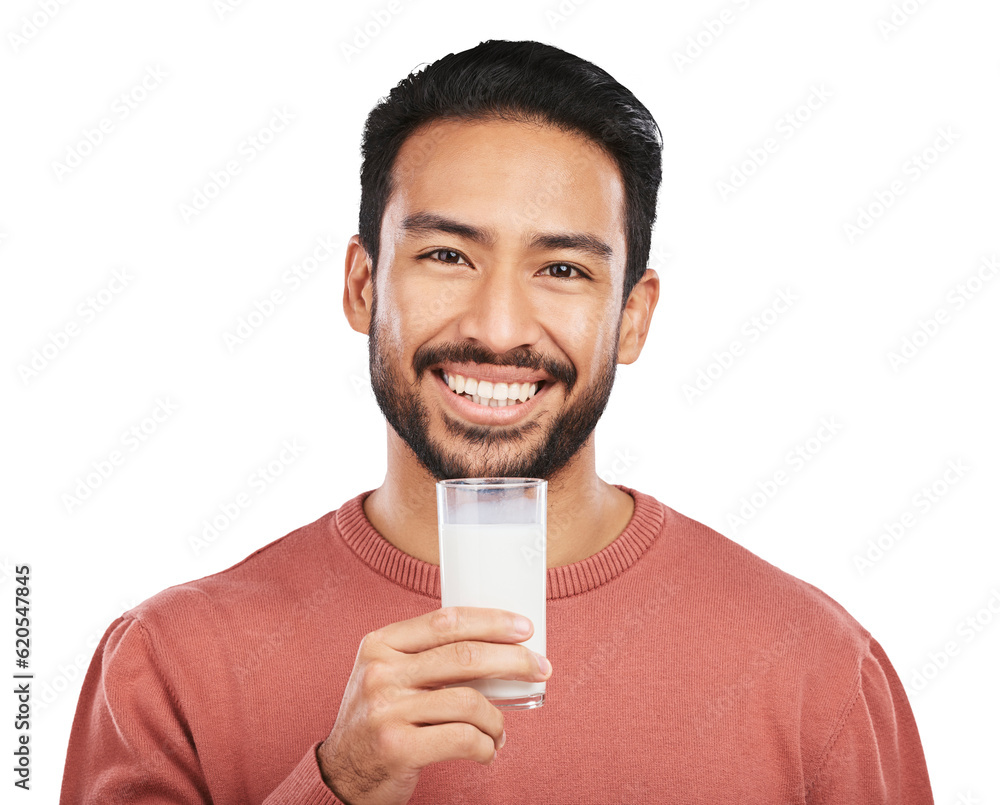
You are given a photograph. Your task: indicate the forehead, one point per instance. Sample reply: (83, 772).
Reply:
(510, 176)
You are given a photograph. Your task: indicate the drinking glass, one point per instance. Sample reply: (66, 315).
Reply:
(491, 535)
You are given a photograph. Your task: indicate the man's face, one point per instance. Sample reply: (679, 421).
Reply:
(502, 259)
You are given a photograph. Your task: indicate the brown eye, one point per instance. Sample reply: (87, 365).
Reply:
(447, 256)
(561, 270)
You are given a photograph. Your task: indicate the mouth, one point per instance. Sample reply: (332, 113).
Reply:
(487, 394)
(489, 403)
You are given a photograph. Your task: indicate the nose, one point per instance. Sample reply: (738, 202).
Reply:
(500, 312)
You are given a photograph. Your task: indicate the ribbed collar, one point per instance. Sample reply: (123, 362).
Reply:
(422, 577)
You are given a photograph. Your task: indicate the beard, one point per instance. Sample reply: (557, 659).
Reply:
(482, 451)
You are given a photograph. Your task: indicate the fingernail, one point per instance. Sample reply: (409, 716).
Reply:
(543, 664)
(522, 625)
(503, 739)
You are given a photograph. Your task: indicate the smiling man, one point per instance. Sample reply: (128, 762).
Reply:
(494, 334)
(508, 197)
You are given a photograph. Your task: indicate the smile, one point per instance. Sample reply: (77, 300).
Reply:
(483, 410)
(487, 394)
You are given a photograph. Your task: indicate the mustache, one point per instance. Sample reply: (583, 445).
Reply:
(469, 352)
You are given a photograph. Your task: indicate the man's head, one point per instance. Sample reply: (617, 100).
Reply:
(508, 194)
(519, 81)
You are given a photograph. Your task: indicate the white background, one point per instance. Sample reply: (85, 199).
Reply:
(723, 257)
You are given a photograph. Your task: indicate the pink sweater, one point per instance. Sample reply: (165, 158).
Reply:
(685, 670)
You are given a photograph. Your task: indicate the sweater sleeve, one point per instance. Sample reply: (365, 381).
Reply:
(304, 786)
(130, 741)
(875, 756)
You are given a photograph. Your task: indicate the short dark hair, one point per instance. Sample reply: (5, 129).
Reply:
(527, 81)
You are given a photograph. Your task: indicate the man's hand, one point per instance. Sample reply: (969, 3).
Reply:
(396, 717)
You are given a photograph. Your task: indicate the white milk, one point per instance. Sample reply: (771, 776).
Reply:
(500, 566)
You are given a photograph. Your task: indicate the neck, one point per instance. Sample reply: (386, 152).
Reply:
(584, 514)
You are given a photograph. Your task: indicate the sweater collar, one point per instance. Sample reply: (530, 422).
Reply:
(564, 581)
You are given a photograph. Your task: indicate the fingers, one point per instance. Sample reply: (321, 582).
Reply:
(450, 625)
(460, 662)
(457, 705)
(390, 725)
(454, 741)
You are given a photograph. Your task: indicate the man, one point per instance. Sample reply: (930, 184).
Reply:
(508, 195)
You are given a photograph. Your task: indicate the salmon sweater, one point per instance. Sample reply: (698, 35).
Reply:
(685, 670)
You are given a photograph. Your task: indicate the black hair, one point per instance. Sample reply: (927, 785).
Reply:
(527, 81)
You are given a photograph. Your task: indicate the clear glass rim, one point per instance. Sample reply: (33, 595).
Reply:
(491, 483)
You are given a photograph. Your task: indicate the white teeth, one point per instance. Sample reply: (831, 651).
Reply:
(487, 393)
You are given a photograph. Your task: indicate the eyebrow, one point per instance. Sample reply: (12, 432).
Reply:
(422, 223)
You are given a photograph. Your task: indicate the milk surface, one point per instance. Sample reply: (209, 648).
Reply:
(500, 566)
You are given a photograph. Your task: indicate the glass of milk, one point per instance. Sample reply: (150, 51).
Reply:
(491, 535)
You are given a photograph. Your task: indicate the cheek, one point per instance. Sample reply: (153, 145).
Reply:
(390, 318)
(575, 317)
(588, 336)
(428, 305)
(417, 311)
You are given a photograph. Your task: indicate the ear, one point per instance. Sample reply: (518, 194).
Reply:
(637, 315)
(358, 286)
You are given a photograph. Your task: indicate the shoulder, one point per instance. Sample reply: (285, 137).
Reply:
(278, 577)
(764, 635)
(747, 599)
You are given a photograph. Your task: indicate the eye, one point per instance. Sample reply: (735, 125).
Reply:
(447, 256)
(561, 269)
